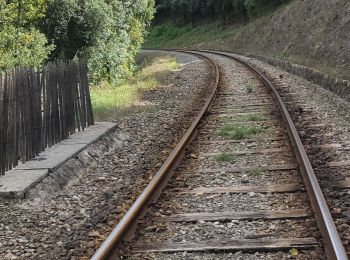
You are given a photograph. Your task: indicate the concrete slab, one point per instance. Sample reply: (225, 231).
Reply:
(18, 181)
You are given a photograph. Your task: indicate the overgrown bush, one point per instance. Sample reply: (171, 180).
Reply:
(107, 33)
(21, 43)
(20, 47)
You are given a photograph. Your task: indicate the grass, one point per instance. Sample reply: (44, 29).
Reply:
(238, 36)
(109, 101)
(255, 117)
(168, 35)
(238, 132)
(224, 157)
(249, 89)
(172, 35)
(246, 118)
(256, 172)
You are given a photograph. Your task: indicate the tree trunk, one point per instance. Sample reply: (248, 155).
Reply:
(192, 19)
(223, 14)
(172, 11)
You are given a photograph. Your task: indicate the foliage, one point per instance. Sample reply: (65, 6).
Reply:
(21, 43)
(107, 33)
(23, 13)
(169, 35)
(293, 252)
(190, 10)
(259, 7)
(239, 132)
(223, 157)
(20, 47)
(255, 117)
(111, 100)
(256, 172)
(249, 89)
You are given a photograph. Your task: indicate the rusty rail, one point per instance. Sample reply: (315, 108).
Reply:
(333, 246)
(158, 182)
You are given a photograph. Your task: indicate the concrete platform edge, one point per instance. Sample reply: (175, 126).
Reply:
(15, 184)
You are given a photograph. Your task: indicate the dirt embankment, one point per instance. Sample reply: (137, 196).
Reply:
(313, 33)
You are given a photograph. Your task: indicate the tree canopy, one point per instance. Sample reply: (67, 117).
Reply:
(108, 33)
(21, 42)
(187, 11)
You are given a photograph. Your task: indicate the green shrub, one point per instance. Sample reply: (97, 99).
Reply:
(22, 48)
(21, 42)
(106, 33)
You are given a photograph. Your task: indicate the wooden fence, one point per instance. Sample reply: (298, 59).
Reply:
(41, 108)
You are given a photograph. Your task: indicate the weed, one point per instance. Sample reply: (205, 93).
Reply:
(255, 117)
(223, 157)
(238, 132)
(109, 100)
(256, 172)
(249, 89)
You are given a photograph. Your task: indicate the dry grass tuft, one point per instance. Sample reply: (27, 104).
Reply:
(109, 101)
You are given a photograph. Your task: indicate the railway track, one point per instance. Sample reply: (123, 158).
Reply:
(245, 184)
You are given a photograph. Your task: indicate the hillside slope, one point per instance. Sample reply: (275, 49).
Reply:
(314, 33)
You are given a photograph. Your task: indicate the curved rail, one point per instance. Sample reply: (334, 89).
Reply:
(157, 182)
(333, 245)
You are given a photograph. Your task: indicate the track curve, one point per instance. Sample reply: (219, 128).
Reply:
(126, 226)
(151, 192)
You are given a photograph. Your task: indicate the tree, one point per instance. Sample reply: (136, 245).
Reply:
(106, 33)
(258, 7)
(188, 10)
(21, 43)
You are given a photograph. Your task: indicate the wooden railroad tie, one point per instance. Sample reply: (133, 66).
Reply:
(268, 139)
(282, 188)
(228, 216)
(257, 151)
(233, 245)
(282, 167)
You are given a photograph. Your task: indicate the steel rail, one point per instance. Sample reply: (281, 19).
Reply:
(156, 183)
(333, 244)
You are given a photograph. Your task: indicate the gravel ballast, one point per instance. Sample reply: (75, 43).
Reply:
(322, 118)
(69, 222)
(200, 168)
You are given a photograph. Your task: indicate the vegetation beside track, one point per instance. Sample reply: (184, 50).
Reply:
(170, 35)
(110, 100)
(238, 132)
(256, 172)
(312, 33)
(224, 157)
(108, 34)
(182, 24)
